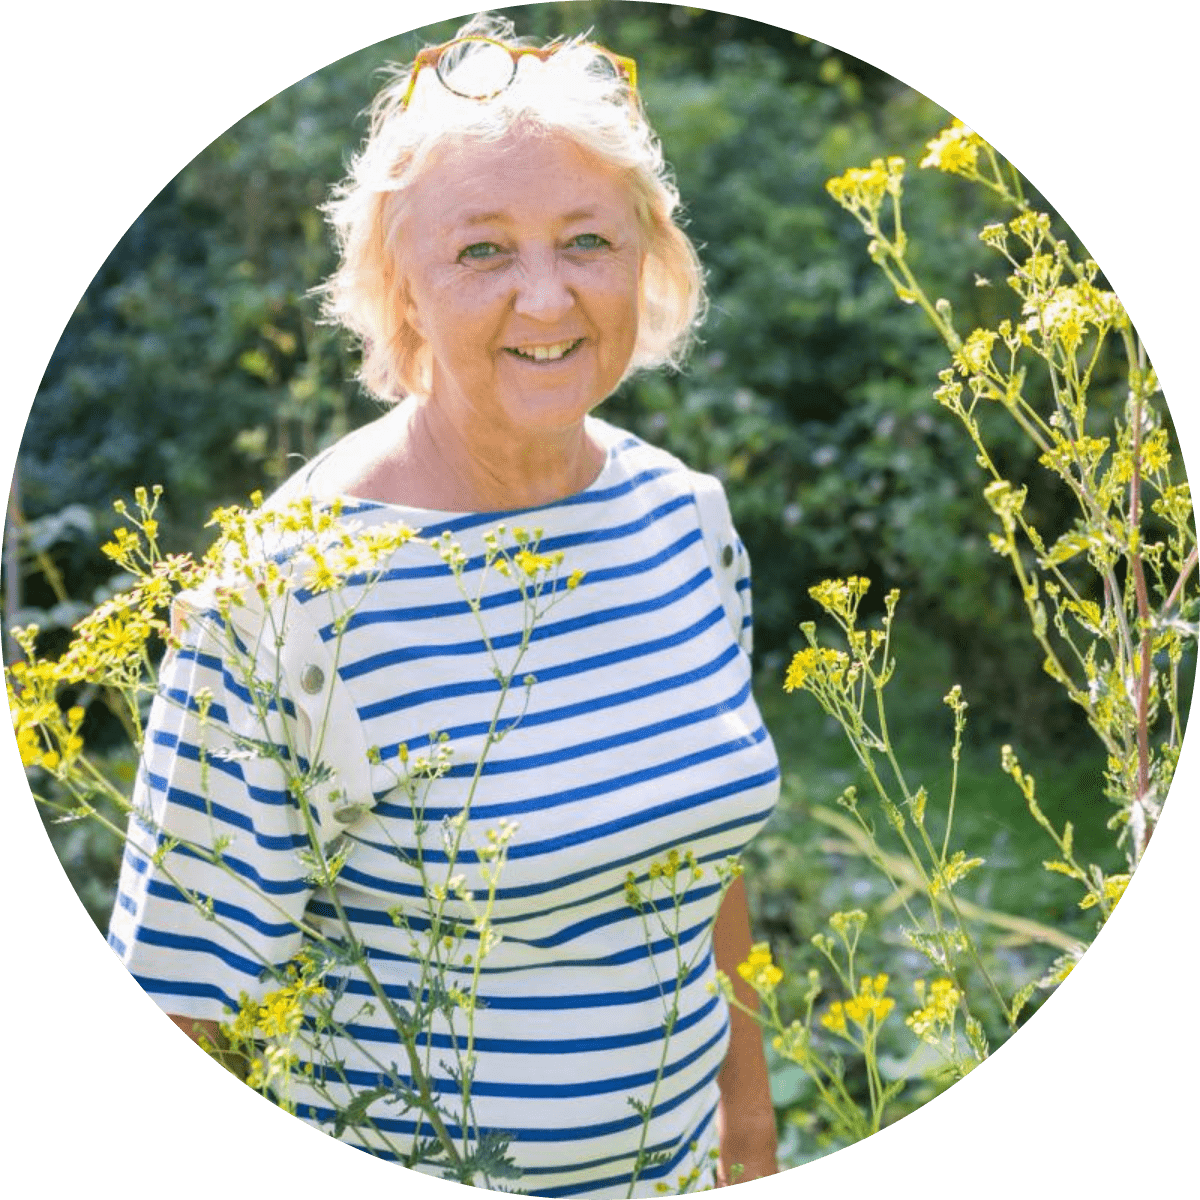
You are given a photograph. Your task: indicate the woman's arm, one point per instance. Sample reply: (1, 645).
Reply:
(745, 1117)
(207, 1033)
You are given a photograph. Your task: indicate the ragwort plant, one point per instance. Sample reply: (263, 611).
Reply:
(1112, 602)
(659, 902)
(292, 1039)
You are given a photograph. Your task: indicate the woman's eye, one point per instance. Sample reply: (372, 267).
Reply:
(588, 241)
(479, 252)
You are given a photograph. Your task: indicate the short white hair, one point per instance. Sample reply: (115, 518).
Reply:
(573, 92)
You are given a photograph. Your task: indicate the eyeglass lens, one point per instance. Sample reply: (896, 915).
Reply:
(476, 70)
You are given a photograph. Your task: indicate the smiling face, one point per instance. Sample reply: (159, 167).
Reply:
(522, 259)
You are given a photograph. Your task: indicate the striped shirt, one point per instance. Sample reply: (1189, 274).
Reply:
(638, 736)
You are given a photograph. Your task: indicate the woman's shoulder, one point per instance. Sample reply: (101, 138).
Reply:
(337, 470)
(644, 460)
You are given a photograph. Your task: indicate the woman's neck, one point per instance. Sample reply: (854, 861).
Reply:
(495, 469)
(418, 457)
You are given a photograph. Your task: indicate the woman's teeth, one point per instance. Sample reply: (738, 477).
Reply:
(545, 353)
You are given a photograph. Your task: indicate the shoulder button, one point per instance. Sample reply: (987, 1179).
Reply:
(727, 555)
(312, 678)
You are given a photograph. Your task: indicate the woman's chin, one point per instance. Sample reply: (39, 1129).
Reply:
(550, 395)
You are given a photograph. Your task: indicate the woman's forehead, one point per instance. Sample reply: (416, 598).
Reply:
(469, 181)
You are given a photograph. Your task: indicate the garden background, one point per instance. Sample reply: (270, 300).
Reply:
(194, 361)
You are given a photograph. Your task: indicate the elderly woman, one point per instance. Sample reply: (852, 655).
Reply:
(509, 256)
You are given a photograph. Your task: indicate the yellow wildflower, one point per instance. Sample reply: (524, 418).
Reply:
(1114, 889)
(529, 564)
(759, 971)
(816, 665)
(994, 235)
(321, 578)
(955, 149)
(1031, 227)
(1175, 504)
(793, 1043)
(939, 1004)
(862, 189)
(1084, 453)
(976, 354)
(835, 1018)
(1155, 454)
(868, 1009)
(30, 746)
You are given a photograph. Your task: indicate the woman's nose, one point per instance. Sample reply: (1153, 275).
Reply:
(542, 291)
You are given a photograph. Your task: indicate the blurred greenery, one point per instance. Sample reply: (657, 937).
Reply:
(195, 359)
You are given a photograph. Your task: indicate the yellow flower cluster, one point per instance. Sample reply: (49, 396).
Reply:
(353, 552)
(1153, 459)
(862, 189)
(279, 1014)
(815, 665)
(939, 1003)
(46, 736)
(1114, 889)
(975, 355)
(868, 1010)
(667, 870)
(1175, 504)
(848, 925)
(1083, 454)
(531, 564)
(496, 840)
(955, 149)
(840, 597)
(683, 1182)
(1033, 228)
(674, 860)
(1064, 314)
(759, 971)
(111, 645)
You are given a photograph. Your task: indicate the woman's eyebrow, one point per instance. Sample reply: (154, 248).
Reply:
(579, 214)
(496, 216)
(480, 218)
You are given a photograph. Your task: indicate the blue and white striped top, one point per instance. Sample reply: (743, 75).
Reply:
(639, 736)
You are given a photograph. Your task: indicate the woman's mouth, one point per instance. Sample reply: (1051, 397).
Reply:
(551, 352)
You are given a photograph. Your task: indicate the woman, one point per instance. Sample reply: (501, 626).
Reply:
(508, 257)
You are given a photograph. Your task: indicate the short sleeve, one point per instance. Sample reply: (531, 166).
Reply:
(194, 932)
